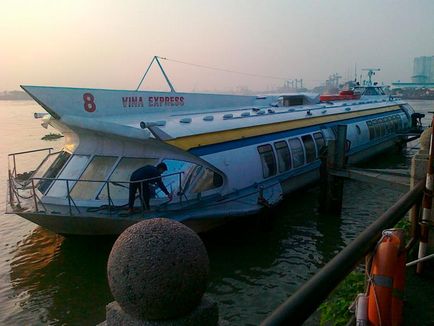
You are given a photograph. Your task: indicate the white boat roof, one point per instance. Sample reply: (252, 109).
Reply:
(142, 115)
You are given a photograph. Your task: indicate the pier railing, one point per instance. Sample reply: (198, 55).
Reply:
(300, 305)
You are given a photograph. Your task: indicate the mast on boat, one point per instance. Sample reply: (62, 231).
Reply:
(155, 58)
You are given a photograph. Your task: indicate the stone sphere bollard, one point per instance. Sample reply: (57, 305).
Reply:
(158, 270)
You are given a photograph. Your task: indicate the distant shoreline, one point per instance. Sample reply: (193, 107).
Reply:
(14, 96)
(15, 99)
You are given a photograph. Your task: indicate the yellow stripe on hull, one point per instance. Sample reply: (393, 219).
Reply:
(216, 137)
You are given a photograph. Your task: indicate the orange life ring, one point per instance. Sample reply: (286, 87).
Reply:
(387, 273)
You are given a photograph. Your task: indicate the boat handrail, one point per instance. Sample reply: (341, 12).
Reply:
(108, 180)
(71, 203)
(49, 149)
(14, 155)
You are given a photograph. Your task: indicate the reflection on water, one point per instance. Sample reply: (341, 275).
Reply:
(254, 269)
(256, 263)
(60, 279)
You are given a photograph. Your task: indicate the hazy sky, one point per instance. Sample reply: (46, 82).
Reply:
(108, 44)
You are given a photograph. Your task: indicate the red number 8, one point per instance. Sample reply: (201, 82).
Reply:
(89, 104)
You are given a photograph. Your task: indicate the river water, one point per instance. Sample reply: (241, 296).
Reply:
(256, 263)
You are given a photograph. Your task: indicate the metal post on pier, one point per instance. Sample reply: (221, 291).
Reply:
(332, 185)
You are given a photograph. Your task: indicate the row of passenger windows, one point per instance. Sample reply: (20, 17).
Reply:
(300, 151)
(384, 126)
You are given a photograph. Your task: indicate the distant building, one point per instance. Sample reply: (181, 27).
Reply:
(423, 70)
(423, 74)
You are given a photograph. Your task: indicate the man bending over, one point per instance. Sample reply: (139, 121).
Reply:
(151, 175)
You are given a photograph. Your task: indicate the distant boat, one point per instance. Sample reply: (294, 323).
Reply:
(227, 155)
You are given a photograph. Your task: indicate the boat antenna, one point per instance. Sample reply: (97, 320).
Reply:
(371, 72)
(355, 72)
(155, 58)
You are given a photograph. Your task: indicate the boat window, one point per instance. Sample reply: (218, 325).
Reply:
(386, 125)
(371, 91)
(382, 128)
(268, 160)
(283, 156)
(292, 100)
(360, 90)
(309, 145)
(400, 123)
(203, 179)
(72, 170)
(98, 169)
(396, 122)
(319, 140)
(172, 182)
(377, 128)
(194, 178)
(50, 168)
(121, 175)
(406, 108)
(297, 152)
(390, 126)
(371, 129)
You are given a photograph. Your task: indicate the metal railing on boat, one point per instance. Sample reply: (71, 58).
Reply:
(70, 183)
(14, 155)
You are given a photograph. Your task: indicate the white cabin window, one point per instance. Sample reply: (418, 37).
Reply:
(71, 171)
(204, 179)
(194, 178)
(182, 177)
(382, 127)
(283, 156)
(377, 128)
(121, 175)
(98, 169)
(319, 141)
(389, 125)
(371, 129)
(396, 122)
(297, 152)
(50, 168)
(268, 160)
(309, 146)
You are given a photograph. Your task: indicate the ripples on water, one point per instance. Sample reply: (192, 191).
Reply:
(255, 263)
